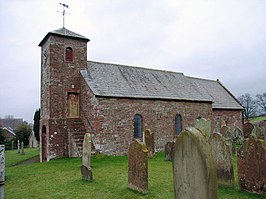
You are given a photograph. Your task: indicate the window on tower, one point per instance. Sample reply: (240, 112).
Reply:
(69, 54)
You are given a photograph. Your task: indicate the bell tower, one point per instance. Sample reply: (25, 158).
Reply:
(63, 55)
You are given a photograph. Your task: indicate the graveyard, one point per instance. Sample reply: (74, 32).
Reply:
(61, 178)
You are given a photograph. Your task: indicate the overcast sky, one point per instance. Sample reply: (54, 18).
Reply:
(213, 39)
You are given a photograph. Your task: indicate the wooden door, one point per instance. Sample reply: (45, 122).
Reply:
(73, 105)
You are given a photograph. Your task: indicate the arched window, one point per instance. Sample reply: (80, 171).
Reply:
(138, 126)
(178, 124)
(69, 54)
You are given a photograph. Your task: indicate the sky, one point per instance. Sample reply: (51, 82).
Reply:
(210, 39)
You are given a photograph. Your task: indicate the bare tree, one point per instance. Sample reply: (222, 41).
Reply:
(250, 105)
(261, 102)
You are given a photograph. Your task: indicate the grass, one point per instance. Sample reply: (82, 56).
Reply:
(257, 119)
(61, 178)
(13, 158)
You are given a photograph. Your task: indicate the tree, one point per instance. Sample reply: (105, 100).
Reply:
(36, 125)
(23, 132)
(249, 104)
(261, 102)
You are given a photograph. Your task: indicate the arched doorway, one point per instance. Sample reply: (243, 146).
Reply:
(44, 144)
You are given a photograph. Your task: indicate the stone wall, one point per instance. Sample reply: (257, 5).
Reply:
(112, 119)
(231, 118)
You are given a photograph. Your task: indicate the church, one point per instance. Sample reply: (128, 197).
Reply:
(116, 103)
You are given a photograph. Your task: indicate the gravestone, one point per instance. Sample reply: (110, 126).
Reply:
(86, 171)
(22, 148)
(18, 147)
(247, 129)
(138, 166)
(224, 129)
(265, 138)
(239, 137)
(149, 141)
(2, 170)
(222, 154)
(251, 161)
(230, 139)
(169, 150)
(194, 169)
(12, 144)
(204, 125)
(258, 131)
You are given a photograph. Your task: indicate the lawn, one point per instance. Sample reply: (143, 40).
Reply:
(61, 178)
(257, 119)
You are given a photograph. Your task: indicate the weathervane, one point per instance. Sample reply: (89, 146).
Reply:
(64, 6)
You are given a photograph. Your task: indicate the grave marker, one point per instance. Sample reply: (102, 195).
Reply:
(22, 148)
(203, 125)
(251, 166)
(222, 154)
(138, 166)
(86, 170)
(18, 147)
(149, 141)
(2, 170)
(247, 129)
(169, 151)
(193, 166)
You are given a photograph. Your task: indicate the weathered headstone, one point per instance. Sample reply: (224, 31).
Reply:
(18, 147)
(265, 138)
(86, 170)
(193, 166)
(230, 139)
(2, 170)
(203, 125)
(138, 166)
(247, 129)
(258, 131)
(12, 144)
(149, 141)
(222, 154)
(22, 148)
(251, 166)
(169, 150)
(239, 137)
(224, 129)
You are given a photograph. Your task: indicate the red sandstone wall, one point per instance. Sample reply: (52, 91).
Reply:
(58, 77)
(112, 119)
(231, 117)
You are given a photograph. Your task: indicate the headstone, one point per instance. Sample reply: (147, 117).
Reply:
(194, 169)
(222, 154)
(22, 148)
(169, 150)
(2, 170)
(224, 129)
(33, 143)
(230, 139)
(258, 131)
(18, 147)
(265, 138)
(12, 145)
(149, 141)
(239, 137)
(251, 161)
(247, 129)
(86, 170)
(203, 125)
(138, 166)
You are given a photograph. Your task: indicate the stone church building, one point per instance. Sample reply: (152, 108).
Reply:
(115, 103)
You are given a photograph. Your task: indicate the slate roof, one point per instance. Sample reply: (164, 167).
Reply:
(221, 97)
(113, 80)
(64, 32)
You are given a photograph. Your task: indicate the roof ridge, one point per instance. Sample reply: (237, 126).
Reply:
(138, 67)
(203, 79)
